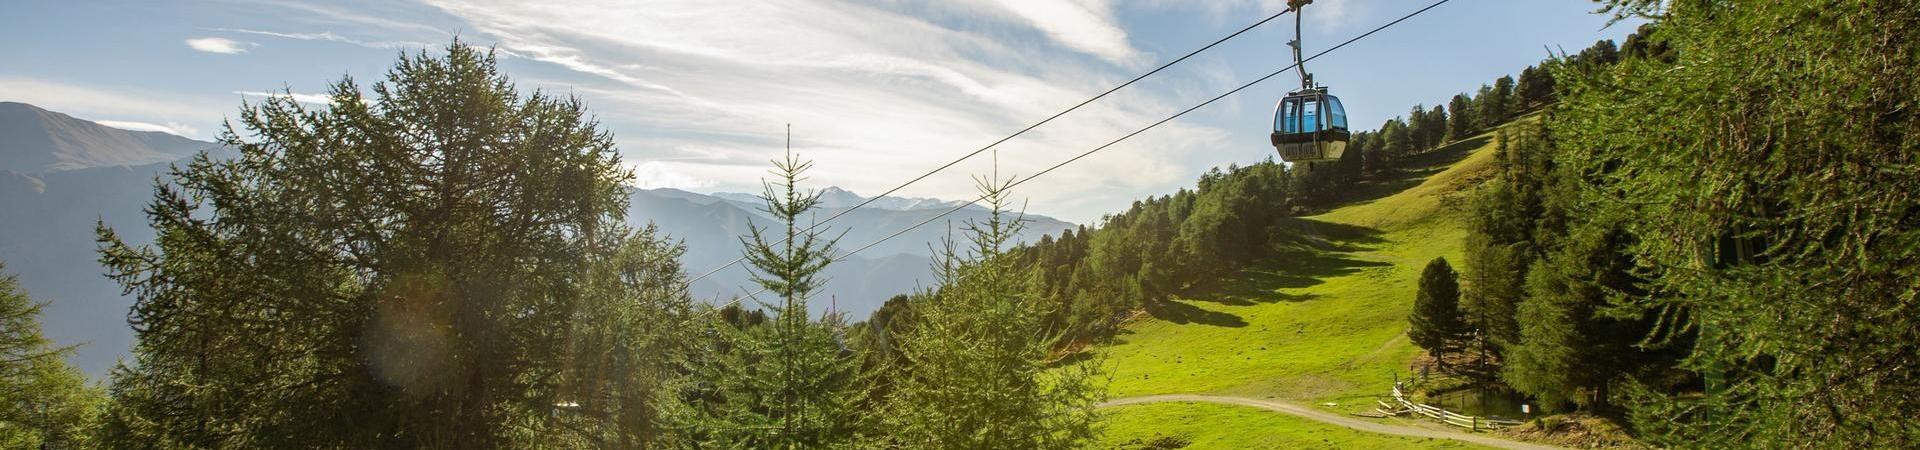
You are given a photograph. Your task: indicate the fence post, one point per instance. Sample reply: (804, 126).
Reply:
(1476, 423)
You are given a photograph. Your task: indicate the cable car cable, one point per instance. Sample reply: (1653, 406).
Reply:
(1014, 135)
(1183, 112)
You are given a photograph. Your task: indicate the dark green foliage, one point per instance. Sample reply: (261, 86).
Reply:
(1436, 129)
(1534, 89)
(1426, 127)
(1352, 165)
(1644, 43)
(1462, 124)
(1503, 218)
(440, 264)
(1769, 179)
(1603, 53)
(1569, 352)
(1497, 104)
(1400, 142)
(1546, 270)
(44, 402)
(1435, 323)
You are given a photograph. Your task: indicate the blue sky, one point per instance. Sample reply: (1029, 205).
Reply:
(697, 92)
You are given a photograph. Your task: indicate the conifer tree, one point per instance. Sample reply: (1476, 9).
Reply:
(1535, 87)
(982, 374)
(1499, 102)
(44, 402)
(1771, 201)
(1499, 246)
(1462, 123)
(1435, 323)
(1399, 142)
(789, 383)
(1419, 125)
(402, 269)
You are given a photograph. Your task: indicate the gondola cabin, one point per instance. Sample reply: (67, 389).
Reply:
(1310, 126)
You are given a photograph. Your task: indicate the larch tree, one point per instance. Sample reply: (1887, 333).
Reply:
(1773, 204)
(404, 269)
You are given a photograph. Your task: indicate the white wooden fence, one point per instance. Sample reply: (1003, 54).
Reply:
(1449, 417)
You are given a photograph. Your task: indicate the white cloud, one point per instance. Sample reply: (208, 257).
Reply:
(1323, 15)
(174, 128)
(329, 36)
(1084, 25)
(317, 99)
(1333, 15)
(326, 13)
(658, 174)
(701, 91)
(219, 45)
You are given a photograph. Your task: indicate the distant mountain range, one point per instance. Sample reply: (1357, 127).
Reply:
(58, 174)
(837, 198)
(711, 227)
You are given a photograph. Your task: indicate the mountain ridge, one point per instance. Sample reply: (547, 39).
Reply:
(36, 140)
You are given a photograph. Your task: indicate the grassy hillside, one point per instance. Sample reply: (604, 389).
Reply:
(1323, 323)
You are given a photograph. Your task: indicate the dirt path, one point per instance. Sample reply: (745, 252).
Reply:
(1331, 418)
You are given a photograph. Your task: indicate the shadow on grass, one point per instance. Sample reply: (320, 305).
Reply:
(1411, 172)
(1292, 270)
(1293, 234)
(1440, 158)
(1184, 313)
(1305, 253)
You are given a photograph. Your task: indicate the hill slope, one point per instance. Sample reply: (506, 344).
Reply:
(1322, 323)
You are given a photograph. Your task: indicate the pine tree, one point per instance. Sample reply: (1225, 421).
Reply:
(982, 375)
(789, 383)
(1435, 323)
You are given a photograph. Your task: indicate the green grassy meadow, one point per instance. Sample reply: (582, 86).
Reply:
(1321, 323)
